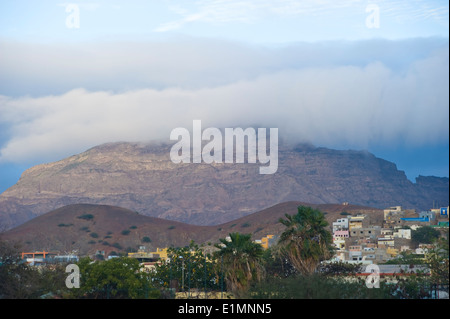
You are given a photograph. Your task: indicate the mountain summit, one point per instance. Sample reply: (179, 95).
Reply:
(142, 178)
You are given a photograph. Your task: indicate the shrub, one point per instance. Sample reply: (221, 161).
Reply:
(258, 229)
(146, 239)
(86, 217)
(64, 225)
(117, 245)
(125, 232)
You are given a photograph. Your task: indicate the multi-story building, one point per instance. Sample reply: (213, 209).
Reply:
(385, 242)
(402, 233)
(339, 237)
(392, 211)
(340, 224)
(366, 232)
(428, 214)
(368, 253)
(358, 221)
(355, 253)
(387, 233)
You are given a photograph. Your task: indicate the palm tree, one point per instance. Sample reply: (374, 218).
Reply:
(241, 260)
(306, 241)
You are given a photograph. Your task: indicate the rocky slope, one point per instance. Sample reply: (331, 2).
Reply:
(142, 178)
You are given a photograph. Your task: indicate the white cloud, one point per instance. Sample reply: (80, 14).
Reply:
(329, 102)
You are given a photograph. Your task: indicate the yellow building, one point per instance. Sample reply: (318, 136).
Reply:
(267, 241)
(142, 254)
(356, 222)
(161, 252)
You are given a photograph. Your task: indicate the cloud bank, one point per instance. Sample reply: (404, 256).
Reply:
(58, 100)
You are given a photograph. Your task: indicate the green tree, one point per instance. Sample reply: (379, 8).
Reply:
(437, 260)
(276, 264)
(187, 268)
(118, 278)
(339, 268)
(306, 241)
(406, 258)
(316, 286)
(21, 281)
(52, 281)
(424, 235)
(242, 261)
(15, 275)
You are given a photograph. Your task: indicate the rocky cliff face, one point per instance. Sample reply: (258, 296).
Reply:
(144, 179)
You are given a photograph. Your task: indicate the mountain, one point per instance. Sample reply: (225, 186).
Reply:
(142, 178)
(87, 228)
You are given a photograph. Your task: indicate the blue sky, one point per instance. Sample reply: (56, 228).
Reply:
(338, 73)
(244, 20)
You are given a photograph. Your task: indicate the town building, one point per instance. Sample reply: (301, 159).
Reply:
(340, 224)
(358, 241)
(265, 242)
(42, 258)
(358, 221)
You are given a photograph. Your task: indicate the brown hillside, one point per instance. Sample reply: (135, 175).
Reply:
(86, 228)
(109, 229)
(266, 222)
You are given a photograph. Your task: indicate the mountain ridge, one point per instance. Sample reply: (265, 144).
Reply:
(141, 177)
